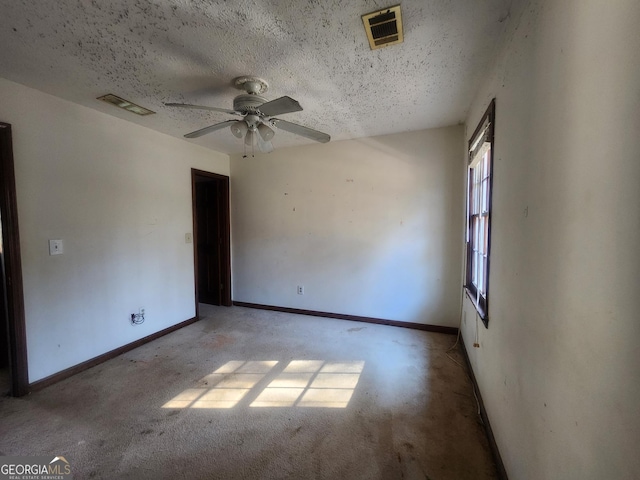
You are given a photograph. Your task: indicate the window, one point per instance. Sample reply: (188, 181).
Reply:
(479, 213)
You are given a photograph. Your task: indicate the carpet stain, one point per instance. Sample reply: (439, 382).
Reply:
(405, 344)
(219, 341)
(356, 329)
(146, 431)
(173, 412)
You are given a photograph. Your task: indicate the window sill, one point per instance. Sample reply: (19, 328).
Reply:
(481, 312)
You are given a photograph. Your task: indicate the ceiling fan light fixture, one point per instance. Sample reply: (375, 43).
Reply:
(250, 139)
(239, 129)
(264, 147)
(265, 132)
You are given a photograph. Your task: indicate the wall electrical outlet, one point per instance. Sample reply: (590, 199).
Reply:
(300, 290)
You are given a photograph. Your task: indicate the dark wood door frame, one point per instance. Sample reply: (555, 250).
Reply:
(12, 268)
(225, 249)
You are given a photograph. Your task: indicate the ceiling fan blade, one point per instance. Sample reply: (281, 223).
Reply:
(264, 145)
(280, 106)
(302, 131)
(201, 107)
(209, 129)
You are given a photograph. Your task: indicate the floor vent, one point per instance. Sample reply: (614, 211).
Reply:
(383, 27)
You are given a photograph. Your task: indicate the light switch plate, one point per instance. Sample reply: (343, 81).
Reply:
(56, 247)
(188, 237)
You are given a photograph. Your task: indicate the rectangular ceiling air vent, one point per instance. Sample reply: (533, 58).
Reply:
(383, 27)
(126, 104)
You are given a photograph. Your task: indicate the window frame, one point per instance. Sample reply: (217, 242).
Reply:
(479, 220)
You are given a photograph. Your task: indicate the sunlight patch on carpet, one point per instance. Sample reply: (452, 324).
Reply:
(301, 383)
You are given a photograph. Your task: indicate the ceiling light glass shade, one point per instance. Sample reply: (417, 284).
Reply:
(266, 147)
(265, 132)
(251, 138)
(239, 129)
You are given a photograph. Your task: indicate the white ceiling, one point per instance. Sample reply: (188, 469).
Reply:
(155, 51)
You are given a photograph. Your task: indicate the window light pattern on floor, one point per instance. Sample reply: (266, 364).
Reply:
(301, 383)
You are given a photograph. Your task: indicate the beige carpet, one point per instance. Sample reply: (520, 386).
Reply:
(249, 394)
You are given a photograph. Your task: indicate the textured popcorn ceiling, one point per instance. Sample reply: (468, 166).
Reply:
(151, 52)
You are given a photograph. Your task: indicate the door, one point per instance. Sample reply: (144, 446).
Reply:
(4, 324)
(209, 242)
(13, 324)
(211, 238)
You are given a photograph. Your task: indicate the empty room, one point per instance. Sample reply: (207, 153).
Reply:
(305, 239)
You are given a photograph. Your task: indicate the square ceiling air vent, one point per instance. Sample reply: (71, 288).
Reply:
(383, 27)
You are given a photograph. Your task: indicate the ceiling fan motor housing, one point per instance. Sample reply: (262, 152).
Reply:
(248, 103)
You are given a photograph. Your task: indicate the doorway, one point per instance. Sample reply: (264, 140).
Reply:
(5, 374)
(13, 340)
(212, 238)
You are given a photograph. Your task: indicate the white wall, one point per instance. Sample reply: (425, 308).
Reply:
(119, 195)
(558, 367)
(369, 227)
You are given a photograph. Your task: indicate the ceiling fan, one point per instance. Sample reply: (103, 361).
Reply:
(258, 122)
